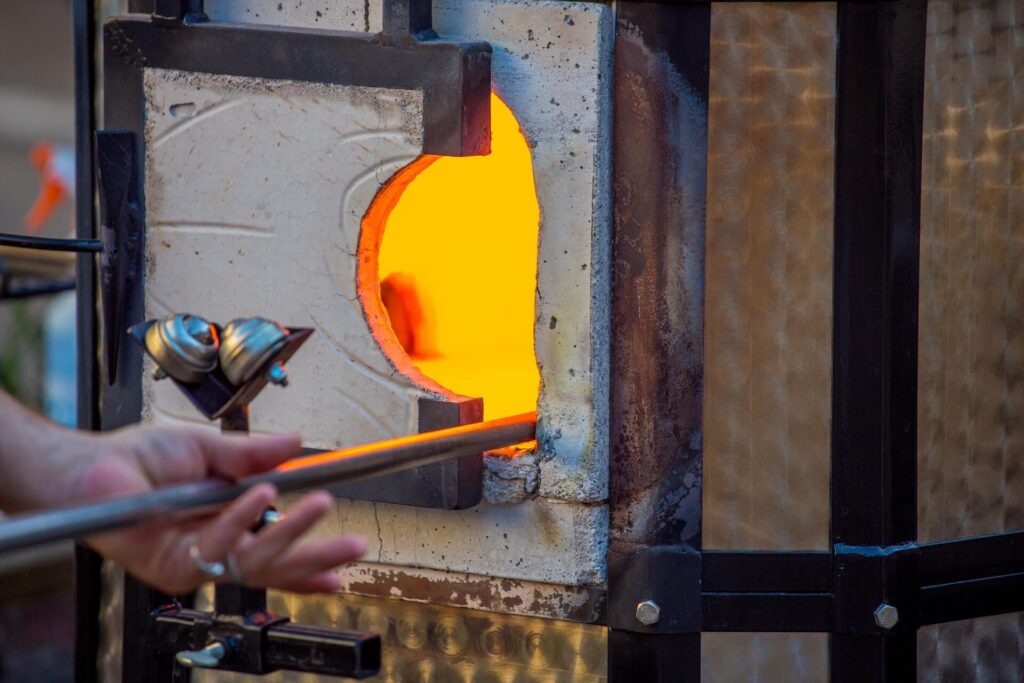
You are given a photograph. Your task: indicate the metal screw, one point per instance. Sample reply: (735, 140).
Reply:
(277, 375)
(648, 612)
(886, 616)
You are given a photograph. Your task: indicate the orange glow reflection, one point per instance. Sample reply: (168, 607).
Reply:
(450, 294)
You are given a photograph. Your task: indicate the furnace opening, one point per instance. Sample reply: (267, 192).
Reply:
(448, 271)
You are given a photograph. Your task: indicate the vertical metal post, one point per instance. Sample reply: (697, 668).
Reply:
(880, 86)
(662, 55)
(88, 582)
(121, 402)
(232, 598)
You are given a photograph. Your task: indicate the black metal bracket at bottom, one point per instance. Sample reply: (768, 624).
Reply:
(654, 589)
(261, 643)
(873, 586)
(862, 590)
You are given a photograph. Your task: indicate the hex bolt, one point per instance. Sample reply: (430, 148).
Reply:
(277, 375)
(648, 612)
(886, 616)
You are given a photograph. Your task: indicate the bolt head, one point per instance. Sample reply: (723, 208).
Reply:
(648, 612)
(886, 616)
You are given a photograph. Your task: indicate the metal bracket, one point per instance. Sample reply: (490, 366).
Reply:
(260, 643)
(214, 396)
(867, 581)
(454, 76)
(668, 577)
(121, 224)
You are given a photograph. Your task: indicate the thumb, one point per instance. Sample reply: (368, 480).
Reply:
(234, 456)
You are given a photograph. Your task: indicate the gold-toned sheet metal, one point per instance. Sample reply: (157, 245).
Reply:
(764, 657)
(448, 645)
(768, 320)
(971, 331)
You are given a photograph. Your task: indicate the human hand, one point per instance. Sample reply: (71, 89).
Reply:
(139, 459)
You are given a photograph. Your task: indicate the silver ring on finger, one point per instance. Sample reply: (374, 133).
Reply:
(210, 570)
(234, 573)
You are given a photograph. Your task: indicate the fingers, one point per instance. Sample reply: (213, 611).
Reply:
(218, 537)
(272, 558)
(235, 456)
(107, 477)
(302, 563)
(276, 538)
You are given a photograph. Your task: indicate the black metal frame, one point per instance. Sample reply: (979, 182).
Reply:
(874, 558)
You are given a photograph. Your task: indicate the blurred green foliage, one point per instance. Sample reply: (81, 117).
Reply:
(21, 347)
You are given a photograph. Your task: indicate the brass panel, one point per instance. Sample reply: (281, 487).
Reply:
(449, 645)
(764, 657)
(971, 344)
(768, 326)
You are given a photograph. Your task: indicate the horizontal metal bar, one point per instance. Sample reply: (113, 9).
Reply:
(323, 651)
(971, 598)
(971, 558)
(192, 499)
(20, 290)
(766, 572)
(50, 243)
(777, 612)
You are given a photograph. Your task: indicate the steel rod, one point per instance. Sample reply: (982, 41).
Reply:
(24, 290)
(50, 243)
(196, 498)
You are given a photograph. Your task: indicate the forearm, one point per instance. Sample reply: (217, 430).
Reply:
(34, 455)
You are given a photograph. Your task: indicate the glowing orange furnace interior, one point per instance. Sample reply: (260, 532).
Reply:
(448, 271)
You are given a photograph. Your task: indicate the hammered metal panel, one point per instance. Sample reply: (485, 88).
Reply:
(971, 343)
(449, 645)
(768, 320)
(971, 346)
(987, 650)
(763, 657)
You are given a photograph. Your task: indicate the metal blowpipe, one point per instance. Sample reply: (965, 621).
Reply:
(323, 469)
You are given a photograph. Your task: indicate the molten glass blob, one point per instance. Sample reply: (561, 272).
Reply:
(456, 244)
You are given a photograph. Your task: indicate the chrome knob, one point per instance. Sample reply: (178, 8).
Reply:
(184, 347)
(246, 345)
(207, 658)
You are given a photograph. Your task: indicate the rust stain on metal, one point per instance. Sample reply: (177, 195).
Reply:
(657, 296)
(573, 603)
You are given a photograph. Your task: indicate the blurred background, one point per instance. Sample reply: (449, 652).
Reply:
(37, 348)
